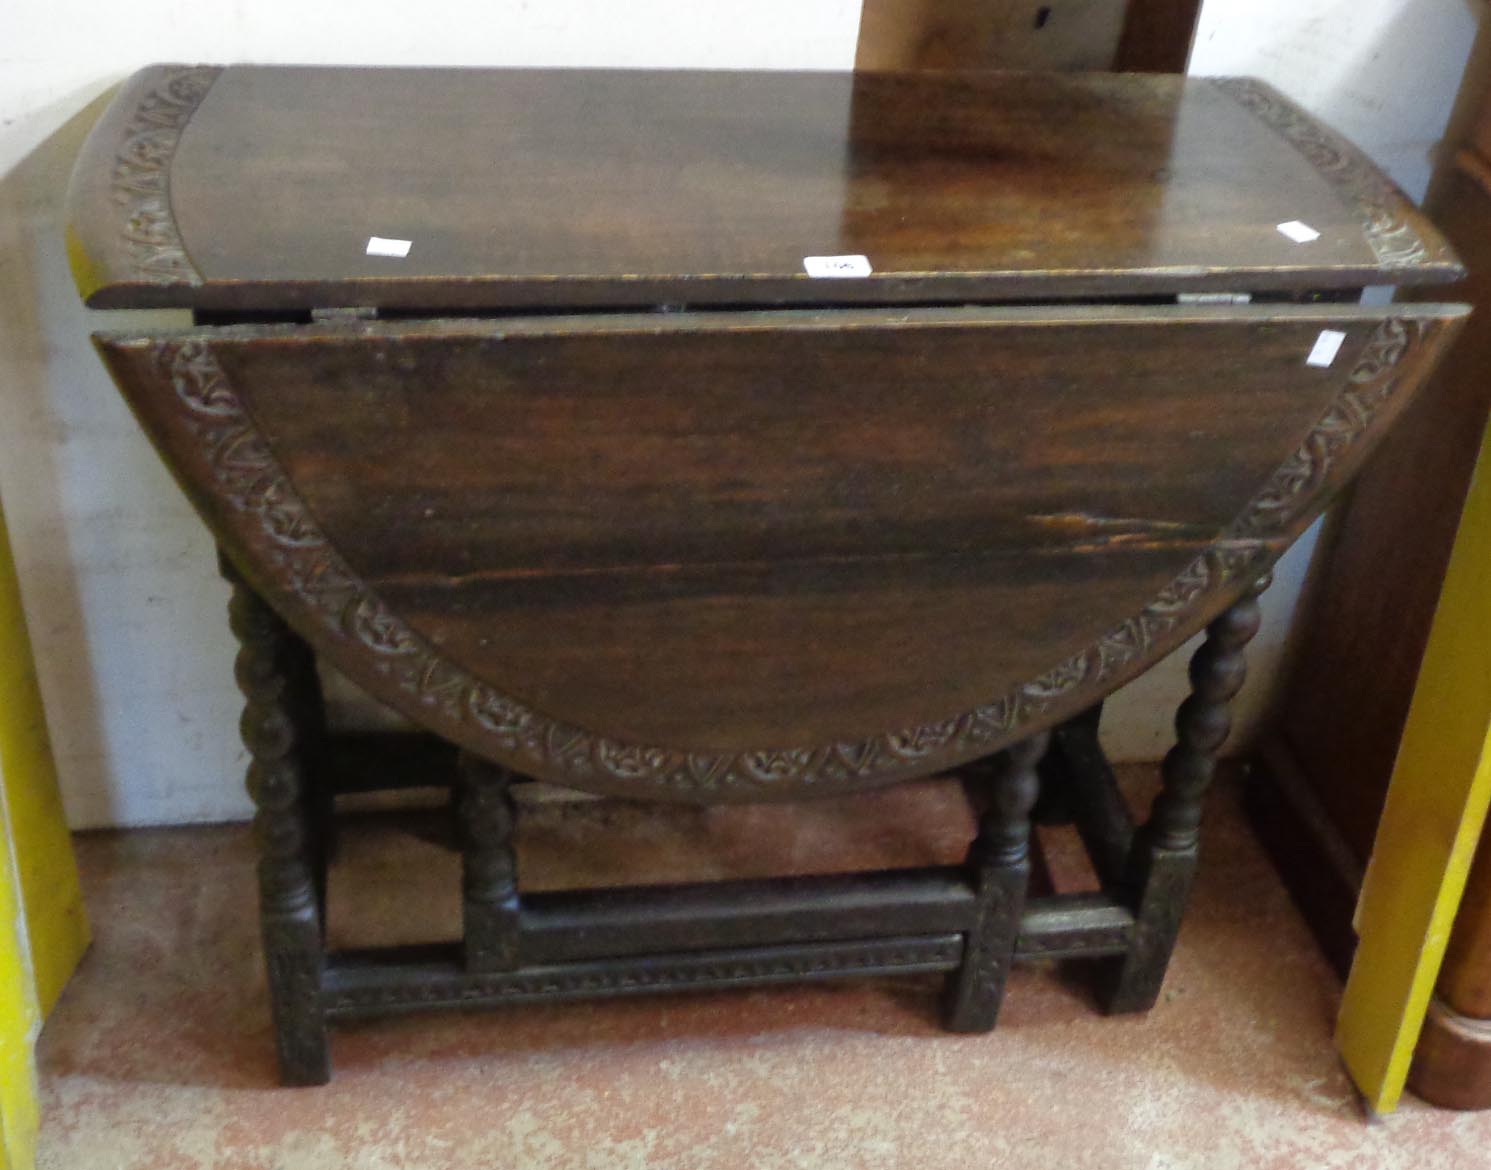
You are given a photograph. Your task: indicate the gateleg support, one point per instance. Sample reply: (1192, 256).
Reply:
(1162, 860)
(999, 863)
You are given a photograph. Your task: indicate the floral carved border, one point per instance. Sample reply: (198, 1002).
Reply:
(1384, 208)
(309, 578)
(140, 182)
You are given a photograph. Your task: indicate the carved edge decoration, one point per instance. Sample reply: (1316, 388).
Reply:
(355, 624)
(1384, 208)
(649, 974)
(140, 182)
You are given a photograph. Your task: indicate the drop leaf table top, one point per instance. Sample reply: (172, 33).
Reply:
(595, 480)
(730, 436)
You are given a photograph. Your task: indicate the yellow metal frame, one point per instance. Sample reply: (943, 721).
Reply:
(1436, 808)
(43, 930)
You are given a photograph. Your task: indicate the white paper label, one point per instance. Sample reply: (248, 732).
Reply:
(1327, 346)
(378, 246)
(836, 266)
(1213, 298)
(1300, 233)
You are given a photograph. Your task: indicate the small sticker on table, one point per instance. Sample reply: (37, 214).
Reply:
(1327, 346)
(836, 266)
(378, 246)
(1300, 233)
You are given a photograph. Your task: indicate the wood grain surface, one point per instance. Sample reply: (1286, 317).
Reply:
(732, 533)
(518, 188)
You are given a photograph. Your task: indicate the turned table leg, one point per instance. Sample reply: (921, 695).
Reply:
(486, 817)
(1162, 863)
(1000, 862)
(276, 672)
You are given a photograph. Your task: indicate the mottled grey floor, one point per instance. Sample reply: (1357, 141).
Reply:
(159, 1056)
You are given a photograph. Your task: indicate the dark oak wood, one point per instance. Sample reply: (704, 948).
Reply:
(386, 985)
(999, 860)
(988, 34)
(1163, 858)
(572, 925)
(1082, 790)
(589, 574)
(275, 671)
(214, 189)
(1157, 35)
(486, 818)
(750, 551)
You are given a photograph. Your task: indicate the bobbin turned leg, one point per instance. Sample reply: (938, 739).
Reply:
(1162, 863)
(1057, 803)
(1000, 863)
(276, 672)
(486, 818)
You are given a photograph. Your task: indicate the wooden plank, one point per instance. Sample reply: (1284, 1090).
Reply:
(988, 34)
(1157, 36)
(1077, 763)
(1436, 807)
(957, 186)
(1074, 926)
(429, 979)
(565, 926)
(780, 929)
(708, 572)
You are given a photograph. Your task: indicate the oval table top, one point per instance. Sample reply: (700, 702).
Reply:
(738, 555)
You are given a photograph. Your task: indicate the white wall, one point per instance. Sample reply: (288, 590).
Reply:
(121, 590)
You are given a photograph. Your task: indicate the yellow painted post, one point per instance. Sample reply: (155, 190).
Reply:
(43, 930)
(20, 1017)
(1436, 807)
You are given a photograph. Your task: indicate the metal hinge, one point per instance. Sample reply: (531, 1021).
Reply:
(1214, 298)
(361, 313)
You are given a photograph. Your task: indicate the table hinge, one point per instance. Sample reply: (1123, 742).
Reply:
(1214, 298)
(360, 313)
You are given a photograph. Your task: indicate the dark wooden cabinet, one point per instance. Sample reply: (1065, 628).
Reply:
(1148, 36)
(594, 474)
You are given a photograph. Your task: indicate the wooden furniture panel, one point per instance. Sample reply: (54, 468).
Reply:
(743, 563)
(716, 186)
(1157, 35)
(775, 537)
(992, 34)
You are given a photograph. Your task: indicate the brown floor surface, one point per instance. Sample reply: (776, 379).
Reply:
(159, 1057)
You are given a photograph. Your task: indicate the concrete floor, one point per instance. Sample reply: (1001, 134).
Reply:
(159, 1057)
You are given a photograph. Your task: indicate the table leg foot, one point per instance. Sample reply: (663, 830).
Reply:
(1162, 862)
(1000, 863)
